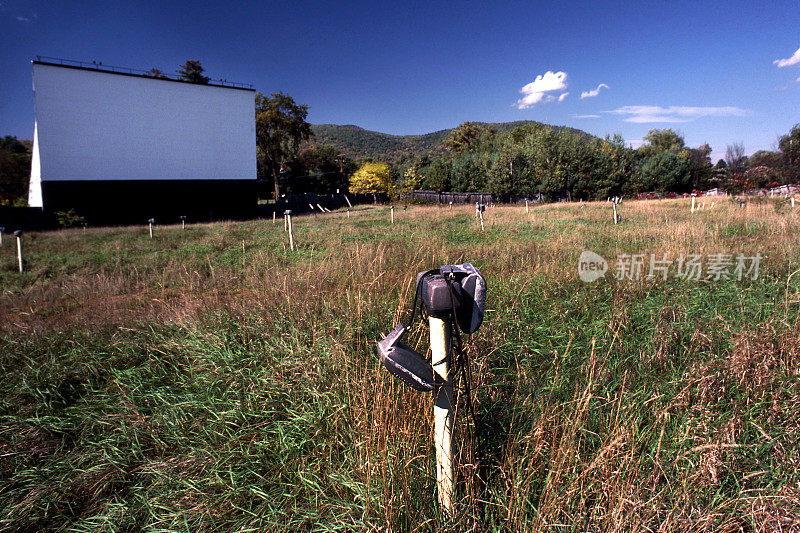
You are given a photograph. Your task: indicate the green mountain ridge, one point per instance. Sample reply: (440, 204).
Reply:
(358, 143)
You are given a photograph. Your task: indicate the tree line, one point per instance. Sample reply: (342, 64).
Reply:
(562, 164)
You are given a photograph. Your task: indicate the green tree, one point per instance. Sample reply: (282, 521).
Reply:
(156, 73)
(468, 137)
(192, 71)
(281, 128)
(700, 166)
(789, 146)
(15, 171)
(658, 141)
(324, 170)
(665, 172)
(371, 178)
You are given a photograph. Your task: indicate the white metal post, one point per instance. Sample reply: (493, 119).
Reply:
(692, 204)
(443, 412)
(526, 205)
(19, 252)
(615, 212)
(392, 213)
(151, 230)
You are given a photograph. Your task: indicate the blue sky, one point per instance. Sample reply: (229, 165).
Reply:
(707, 69)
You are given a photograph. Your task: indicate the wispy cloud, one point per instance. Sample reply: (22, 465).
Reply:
(653, 113)
(539, 89)
(595, 92)
(22, 18)
(794, 60)
(586, 116)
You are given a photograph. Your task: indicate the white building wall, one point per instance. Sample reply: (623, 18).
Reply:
(94, 125)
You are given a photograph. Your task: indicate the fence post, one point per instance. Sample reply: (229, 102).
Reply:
(288, 214)
(18, 235)
(391, 210)
(151, 221)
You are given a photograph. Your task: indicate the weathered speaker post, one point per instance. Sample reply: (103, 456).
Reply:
(288, 214)
(18, 235)
(443, 411)
(151, 222)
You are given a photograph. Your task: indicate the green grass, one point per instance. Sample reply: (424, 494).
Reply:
(179, 384)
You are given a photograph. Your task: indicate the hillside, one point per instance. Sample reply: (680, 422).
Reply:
(358, 143)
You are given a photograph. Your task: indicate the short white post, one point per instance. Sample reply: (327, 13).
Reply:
(348, 213)
(692, 204)
(291, 235)
(442, 411)
(151, 226)
(18, 234)
(1, 239)
(526, 205)
(273, 217)
(285, 222)
(391, 210)
(451, 206)
(2, 230)
(615, 212)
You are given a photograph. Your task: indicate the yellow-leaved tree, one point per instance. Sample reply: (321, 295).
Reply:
(371, 177)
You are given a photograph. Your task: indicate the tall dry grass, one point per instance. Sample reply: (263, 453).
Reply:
(213, 380)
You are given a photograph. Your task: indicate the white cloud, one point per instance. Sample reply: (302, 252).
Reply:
(595, 92)
(794, 60)
(537, 91)
(586, 116)
(653, 113)
(23, 19)
(561, 98)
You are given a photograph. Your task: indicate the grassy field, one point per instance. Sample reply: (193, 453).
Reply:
(213, 380)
